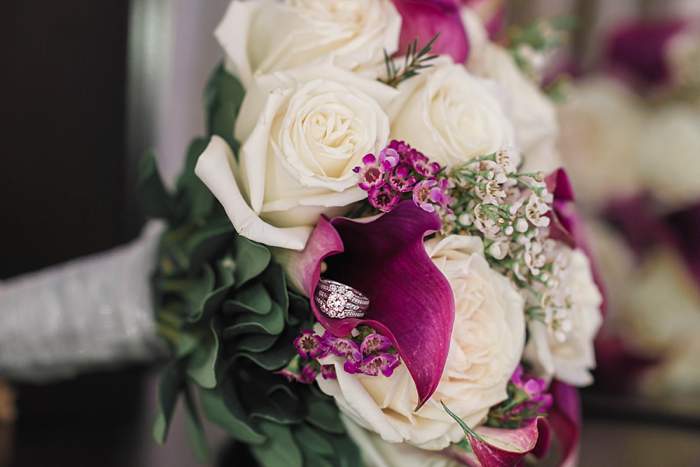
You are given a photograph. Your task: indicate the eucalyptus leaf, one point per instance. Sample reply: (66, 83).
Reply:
(280, 449)
(251, 259)
(195, 429)
(156, 201)
(169, 387)
(255, 298)
(313, 439)
(255, 343)
(323, 414)
(217, 411)
(201, 365)
(223, 97)
(271, 323)
(197, 291)
(196, 199)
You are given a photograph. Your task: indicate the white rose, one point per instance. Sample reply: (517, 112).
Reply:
(451, 115)
(486, 346)
(662, 320)
(265, 36)
(601, 124)
(570, 360)
(379, 453)
(303, 131)
(532, 113)
(669, 155)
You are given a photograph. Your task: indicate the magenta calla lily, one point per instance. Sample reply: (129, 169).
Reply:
(567, 224)
(500, 447)
(422, 19)
(411, 301)
(565, 420)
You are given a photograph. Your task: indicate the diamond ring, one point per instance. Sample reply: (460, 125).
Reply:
(339, 301)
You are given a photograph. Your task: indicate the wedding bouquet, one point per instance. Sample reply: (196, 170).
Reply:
(373, 256)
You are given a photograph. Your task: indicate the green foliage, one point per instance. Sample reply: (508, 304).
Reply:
(222, 100)
(223, 306)
(415, 60)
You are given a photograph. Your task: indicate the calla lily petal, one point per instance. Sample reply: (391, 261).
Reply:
(411, 301)
(565, 420)
(567, 225)
(498, 447)
(215, 167)
(422, 19)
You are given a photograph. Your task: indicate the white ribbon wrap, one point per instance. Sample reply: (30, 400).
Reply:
(87, 313)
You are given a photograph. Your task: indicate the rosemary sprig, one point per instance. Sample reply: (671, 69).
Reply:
(414, 61)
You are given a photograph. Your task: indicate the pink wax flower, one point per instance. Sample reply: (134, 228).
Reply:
(402, 172)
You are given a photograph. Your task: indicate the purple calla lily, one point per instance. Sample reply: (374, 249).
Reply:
(638, 50)
(422, 19)
(565, 421)
(499, 447)
(411, 302)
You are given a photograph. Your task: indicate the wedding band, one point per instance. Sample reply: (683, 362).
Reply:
(339, 301)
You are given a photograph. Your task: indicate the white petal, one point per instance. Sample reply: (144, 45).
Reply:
(216, 168)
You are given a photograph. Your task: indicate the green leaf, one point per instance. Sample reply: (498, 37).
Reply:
(168, 390)
(251, 259)
(155, 199)
(201, 366)
(222, 100)
(255, 343)
(196, 293)
(271, 323)
(323, 414)
(195, 430)
(196, 199)
(218, 411)
(315, 441)
(207, 242)
(252, 299)
(280, 449)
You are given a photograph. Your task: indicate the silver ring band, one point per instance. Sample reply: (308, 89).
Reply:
(339, 301)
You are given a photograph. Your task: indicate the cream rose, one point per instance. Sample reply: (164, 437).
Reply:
(303, 132)
(379, 453)
(669, 155)
(266, 35)
(571, 359)
(451, 115)
(601, 124)
(532, 113)
(486, 346)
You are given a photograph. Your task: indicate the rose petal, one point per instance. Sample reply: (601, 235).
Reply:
(422, 19)
(411, 302)
(216, 167)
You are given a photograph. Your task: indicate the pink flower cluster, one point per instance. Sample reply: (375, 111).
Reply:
(401, 172)
(527, 399)
(368, 353)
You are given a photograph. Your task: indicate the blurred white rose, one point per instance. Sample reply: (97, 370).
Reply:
(451, 115)
(486, 346)
(662, 319)
(571, 359)
(302, 133)
(601, 124)
(669, 154)
(266, 35)
(379, 453)
(532, 113)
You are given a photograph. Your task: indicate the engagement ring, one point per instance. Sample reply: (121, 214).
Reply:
(339, 301)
